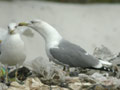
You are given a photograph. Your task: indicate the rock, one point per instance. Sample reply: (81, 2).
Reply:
(86, 85)
(23, 73)
(72, 79)
(114, 81)
(107, 81)
(3, 86)
(33, 83)
(74, 83)
(44, 87)
(79, 85)
(58, 88)
(17, 86)
(48, 72)
(30, 84)
(99, 87)
(83, 82)
(86, 78)
(74, 86)
(99, 77)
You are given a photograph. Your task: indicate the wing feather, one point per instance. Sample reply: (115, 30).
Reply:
(73, 55)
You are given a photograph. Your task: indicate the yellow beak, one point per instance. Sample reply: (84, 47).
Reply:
(23, 24)
(11, 31)
(0, 41)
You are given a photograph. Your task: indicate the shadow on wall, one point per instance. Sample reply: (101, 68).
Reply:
(88, 1)
(75, 1)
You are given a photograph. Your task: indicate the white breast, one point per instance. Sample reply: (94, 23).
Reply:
(12, 50)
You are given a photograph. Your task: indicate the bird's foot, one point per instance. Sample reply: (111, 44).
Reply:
(67, 70)
(116, 70)
(16, 78)
(18, 81)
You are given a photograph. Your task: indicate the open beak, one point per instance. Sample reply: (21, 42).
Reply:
(0, 41)
(23, 24)
(12, 31)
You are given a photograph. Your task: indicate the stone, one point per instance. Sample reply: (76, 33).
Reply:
(86, 78)
(3, 86)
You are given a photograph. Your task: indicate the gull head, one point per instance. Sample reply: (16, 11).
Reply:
(46, 30)
(12, 28)
(32, 23)
(36, 24)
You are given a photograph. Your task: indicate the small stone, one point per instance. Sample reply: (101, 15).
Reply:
(3, 86)
(75, 87)
(44, 87)
(99, 77)
(72, 79)
(17, 86)
(86, 78)
(99, 87)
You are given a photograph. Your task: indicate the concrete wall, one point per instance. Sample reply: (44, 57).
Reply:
(86, 25)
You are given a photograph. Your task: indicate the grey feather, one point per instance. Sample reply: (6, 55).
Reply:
(73, 55)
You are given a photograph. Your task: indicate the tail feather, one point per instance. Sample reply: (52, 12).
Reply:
(104, 66)
(107, 68)
(105, 62)
(101, 63)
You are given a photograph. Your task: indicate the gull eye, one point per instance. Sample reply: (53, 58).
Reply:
(8, 27)
(32, 22)
(15, 26)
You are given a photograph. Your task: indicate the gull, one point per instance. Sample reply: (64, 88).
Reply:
(62, 51)
(12, 51)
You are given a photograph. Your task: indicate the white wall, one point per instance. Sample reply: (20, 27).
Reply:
(87, 25)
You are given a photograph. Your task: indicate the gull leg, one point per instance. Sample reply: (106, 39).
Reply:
(50, 85)
(16, 75)
(66, 69)
(6, 76)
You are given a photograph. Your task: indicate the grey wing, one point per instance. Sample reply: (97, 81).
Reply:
(73, 55)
